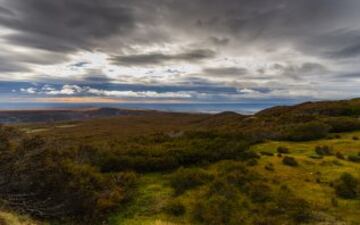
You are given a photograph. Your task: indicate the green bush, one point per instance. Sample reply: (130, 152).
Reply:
(252, 162)
(267, 153)
(269, 167)
(347, 186)
(175, 208)
(218, 210)
(185, 179)
(235, 174)
(283, 150)
(339, 155)
(260, 193)
(354, 158)
(307, 131)
(323, 150)
(297, 209)
(290, 161)
(53, 184)
(343, 124)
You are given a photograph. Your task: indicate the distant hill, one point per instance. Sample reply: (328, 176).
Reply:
(37, 116)
(325, 108)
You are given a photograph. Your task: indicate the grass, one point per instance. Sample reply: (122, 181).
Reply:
(310, 180)
(146, 208)
(7, 218)
(313, 177)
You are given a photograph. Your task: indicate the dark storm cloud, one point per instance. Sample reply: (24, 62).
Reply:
(225, 71)
(348, 52)
(5, 12)
(65, 25)
(160, 58)
(69, 25)
(272, 23)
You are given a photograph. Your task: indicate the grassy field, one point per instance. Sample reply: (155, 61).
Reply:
(311, 180)
(115, 128)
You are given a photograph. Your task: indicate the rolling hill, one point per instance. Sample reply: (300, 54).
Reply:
(285, 165)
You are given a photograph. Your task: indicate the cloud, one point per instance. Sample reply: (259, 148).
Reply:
(307, 68)
(76, 90)
(218, 49)
(348, 52)
(225, 71)
(219, 41)
(65, 25)
(161, 58)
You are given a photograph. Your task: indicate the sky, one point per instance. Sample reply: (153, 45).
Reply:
(179, 50)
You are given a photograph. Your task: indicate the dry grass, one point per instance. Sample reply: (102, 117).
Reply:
(7, 218)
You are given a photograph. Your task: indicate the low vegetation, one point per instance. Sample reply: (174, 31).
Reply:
(286, 165)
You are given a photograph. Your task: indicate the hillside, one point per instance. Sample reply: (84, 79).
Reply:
(285, 165)
(57, 115)
(325, 108)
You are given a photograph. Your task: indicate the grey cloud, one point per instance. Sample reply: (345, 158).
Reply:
(95, 76)
(348, 52)
(298, 71)
(5, 12)
(8, 65)
(160, 58)
(225, 71)
(65, 25)
(315, 31)
(220, 41)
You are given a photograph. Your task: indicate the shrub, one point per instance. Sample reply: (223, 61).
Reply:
(290, 161)
(53, 184)
(267, 153)
(252, 162)
(347, 186)
(343, 124)
(269, 167)
(4, 142)
(355, 138)
(185, 179)
(297, 209)
(316, 157)
(354, 158)
(339, 155)
(323, 150)
(283, 150)
(175, 208)
(300, 210)
(235, 174)
(265, 221)
(308, 131)
(334, 202)
(217, 210)
(248, 155)
(260, 193)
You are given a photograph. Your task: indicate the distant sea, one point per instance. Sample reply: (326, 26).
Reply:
(243, 108)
